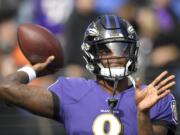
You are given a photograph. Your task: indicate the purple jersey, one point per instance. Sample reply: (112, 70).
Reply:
(82, 101)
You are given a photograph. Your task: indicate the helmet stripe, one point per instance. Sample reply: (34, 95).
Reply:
(107, 21)
(117, 24)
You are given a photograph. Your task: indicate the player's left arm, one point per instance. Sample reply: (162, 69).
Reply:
(160, 130)
(147, 98)
(160, 127)
(166, 115)
(145, 127)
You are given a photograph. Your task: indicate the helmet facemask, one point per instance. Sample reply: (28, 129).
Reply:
(112, 59)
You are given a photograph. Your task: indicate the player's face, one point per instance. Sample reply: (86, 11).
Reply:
(114, 54)
(108, 60)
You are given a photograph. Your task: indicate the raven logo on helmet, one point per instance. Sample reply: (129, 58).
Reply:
(93, 31)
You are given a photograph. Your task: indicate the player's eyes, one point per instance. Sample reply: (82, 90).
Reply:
(104, 49)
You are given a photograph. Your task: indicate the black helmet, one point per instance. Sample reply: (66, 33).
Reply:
(111, 34)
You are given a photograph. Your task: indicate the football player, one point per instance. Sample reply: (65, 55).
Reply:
(114, 103)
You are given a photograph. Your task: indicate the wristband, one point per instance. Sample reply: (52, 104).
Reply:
(29, 71)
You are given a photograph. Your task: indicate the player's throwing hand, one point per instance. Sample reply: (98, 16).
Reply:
(152, 93)
(41, 68)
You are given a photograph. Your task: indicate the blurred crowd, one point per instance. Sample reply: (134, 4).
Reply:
(157, 23)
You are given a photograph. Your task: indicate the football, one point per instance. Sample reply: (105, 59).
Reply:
(37, 44)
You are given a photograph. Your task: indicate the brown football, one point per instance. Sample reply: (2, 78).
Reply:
(37, 44)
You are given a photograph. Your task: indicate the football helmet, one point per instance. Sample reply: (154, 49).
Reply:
(110, 34)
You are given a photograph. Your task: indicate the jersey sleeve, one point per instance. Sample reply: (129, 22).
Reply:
(165, 113)
(55, 89)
